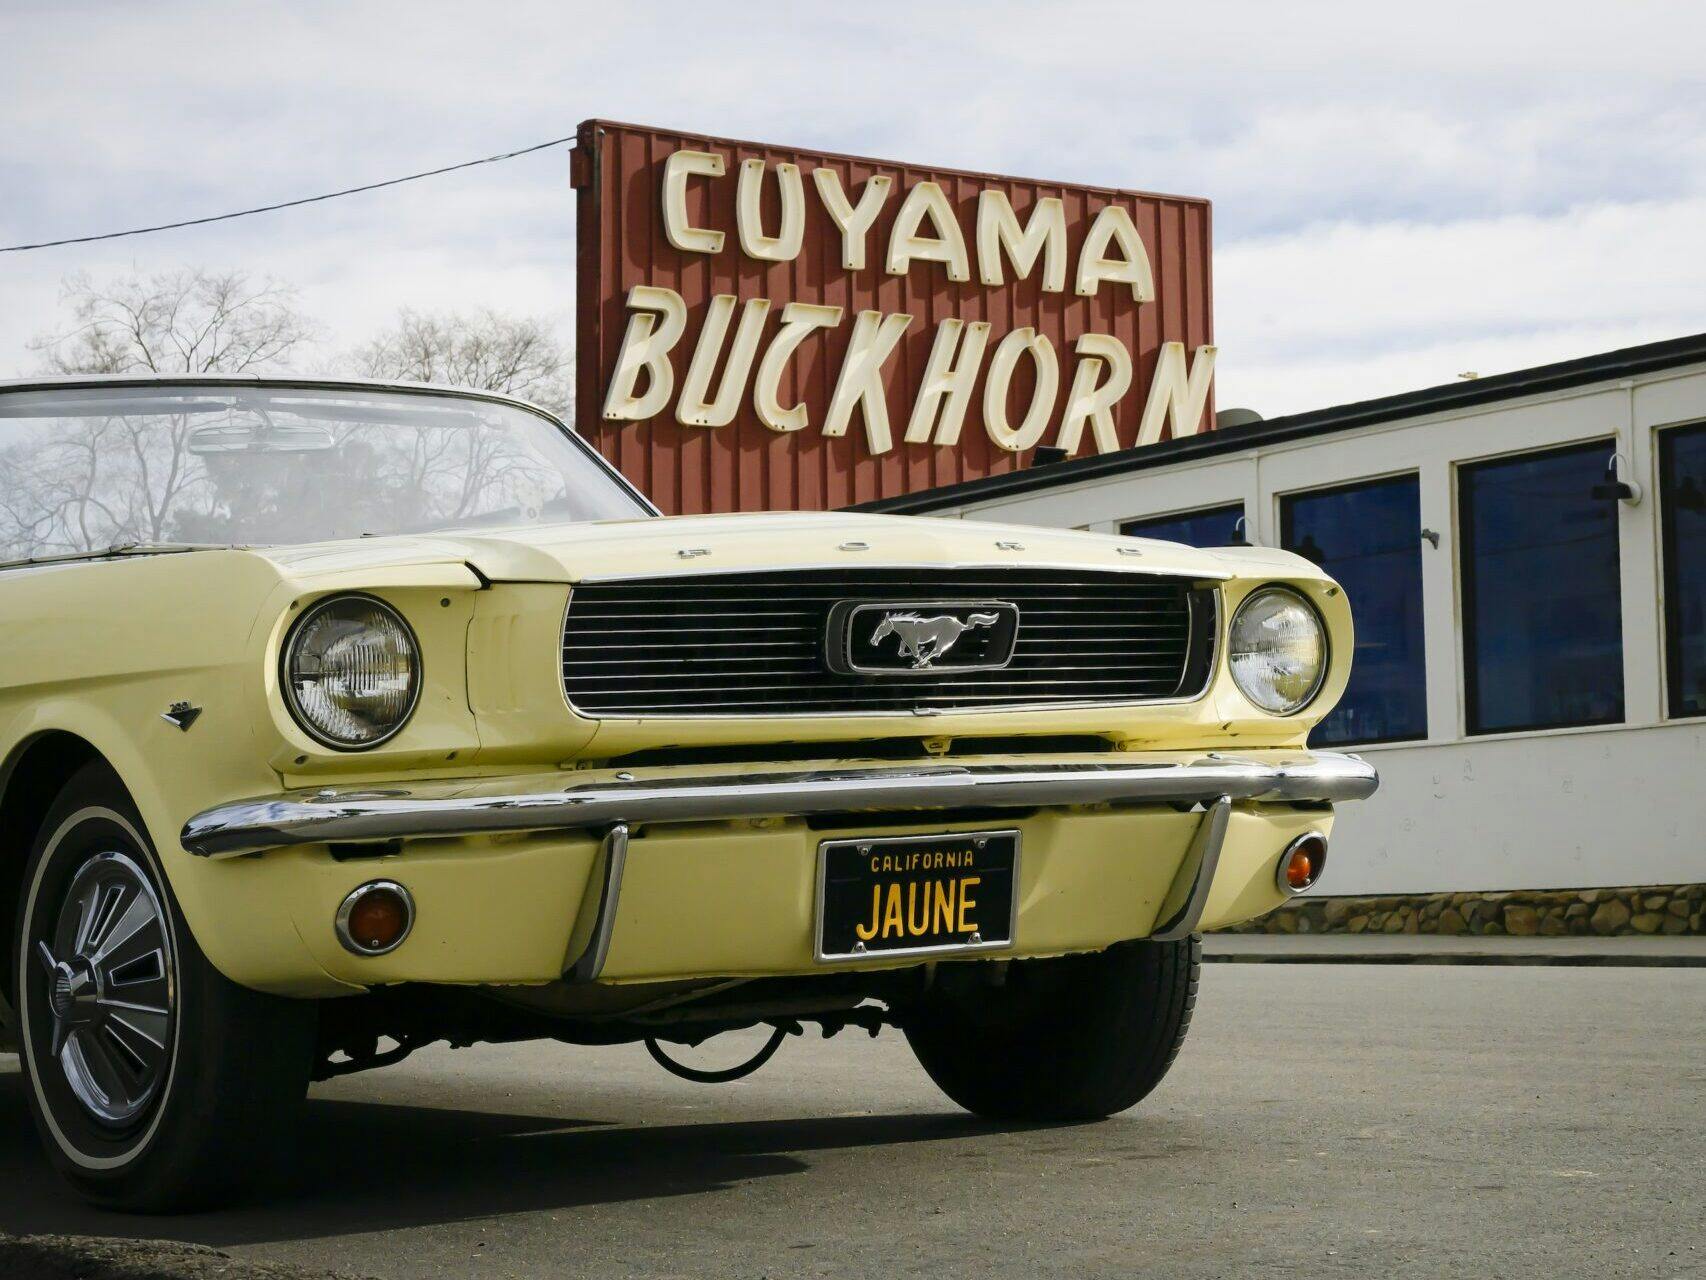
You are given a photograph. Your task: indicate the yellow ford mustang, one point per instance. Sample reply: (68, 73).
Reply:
(338, 719)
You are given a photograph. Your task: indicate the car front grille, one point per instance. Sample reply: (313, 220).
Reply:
(753, 644)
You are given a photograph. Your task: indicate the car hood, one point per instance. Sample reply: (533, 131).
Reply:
(764, 540)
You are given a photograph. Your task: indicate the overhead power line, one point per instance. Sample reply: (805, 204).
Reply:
(287, 204)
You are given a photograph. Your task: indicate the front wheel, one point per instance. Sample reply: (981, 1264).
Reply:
(155, 1082)
(1075, 1038)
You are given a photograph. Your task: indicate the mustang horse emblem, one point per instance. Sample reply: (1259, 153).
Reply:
(926, 639)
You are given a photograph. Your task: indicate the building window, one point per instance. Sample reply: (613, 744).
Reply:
(1542, 599)
(1368, 536)
(1209, 527)
(1682, 508)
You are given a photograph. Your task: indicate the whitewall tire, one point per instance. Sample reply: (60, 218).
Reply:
(155, 1082)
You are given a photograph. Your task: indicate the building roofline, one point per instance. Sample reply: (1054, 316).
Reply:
(1622, 363)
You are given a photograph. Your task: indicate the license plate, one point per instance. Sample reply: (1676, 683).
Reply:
(909, 895)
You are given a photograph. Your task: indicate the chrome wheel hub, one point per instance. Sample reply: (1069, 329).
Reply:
(71, 992)
(111, 984)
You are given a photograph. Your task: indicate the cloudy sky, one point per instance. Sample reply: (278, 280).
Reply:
(1397, 199)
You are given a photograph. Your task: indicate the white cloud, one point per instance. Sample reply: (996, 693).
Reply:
(353, 269)
(1339, 312)
(1399, 195)
(1327, 377)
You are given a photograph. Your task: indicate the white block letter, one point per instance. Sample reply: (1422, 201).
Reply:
(1007, 353)
(1113, 225)
(784, 246)
(948, 381)
(689, 239)
(998, 231)
(928, 199)
(1088, 402)
(654, 327)
(861, 382)
(1173, 396)
(854, 220)
(692, 409)
(798, 319)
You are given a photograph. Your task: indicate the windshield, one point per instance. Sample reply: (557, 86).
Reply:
(87, 468)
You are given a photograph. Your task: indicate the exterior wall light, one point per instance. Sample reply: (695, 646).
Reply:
(1614, 489)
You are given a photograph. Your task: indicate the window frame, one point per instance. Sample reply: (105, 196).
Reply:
(1465, 581)
(1669, 611)
(1238, 504)
(1282, 520)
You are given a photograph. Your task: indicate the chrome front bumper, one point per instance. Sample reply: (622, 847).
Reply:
(467, 807)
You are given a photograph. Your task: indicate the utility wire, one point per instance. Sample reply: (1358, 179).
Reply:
(287, 204)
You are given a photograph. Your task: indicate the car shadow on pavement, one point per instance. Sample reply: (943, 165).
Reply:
(377, 1166)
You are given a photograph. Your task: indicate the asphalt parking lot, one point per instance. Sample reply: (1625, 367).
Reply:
(1322, 1119)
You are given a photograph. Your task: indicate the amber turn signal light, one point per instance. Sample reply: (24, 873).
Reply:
(375, 918)
(1299, 870)
(1301, 864)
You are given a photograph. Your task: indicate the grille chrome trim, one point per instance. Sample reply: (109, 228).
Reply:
(1093, 637)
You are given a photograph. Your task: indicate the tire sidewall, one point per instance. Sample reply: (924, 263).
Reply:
(80, 826)
(1094, 1036)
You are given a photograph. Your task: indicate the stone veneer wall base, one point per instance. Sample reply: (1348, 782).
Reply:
(1661, 910)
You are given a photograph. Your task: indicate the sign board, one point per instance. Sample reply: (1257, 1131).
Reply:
(765, 328)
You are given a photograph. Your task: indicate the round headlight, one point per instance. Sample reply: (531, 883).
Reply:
(1278, 650)
(352, 672)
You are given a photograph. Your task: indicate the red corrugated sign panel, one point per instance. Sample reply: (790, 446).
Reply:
(766, 328)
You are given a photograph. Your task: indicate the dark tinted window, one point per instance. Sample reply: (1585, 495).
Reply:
(1682, 502)
(1542, 607)
(1210, 527)
(1368, 536)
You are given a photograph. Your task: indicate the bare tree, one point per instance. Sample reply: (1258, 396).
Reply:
(488, 350)
(191, 320)
(84, 481)
(129, 477)
(520, 355)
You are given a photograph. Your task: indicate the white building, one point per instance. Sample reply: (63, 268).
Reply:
(1526, 559)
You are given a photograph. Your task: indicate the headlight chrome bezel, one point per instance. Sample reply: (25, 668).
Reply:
(287, 679)
(1292, 595)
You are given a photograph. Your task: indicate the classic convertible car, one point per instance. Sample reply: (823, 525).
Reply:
(337, 719)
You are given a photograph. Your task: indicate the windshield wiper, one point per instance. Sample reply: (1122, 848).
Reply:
(116, 550)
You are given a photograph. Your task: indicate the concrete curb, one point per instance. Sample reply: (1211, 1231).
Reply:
(1291, 948)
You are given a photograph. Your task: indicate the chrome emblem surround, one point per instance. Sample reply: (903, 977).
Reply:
(881, 638)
